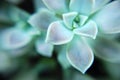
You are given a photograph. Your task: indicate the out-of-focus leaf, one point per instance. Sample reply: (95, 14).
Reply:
(10, 13)
(108, 18)
(58, 6)
(42, 19)
(81, 6)
(107, 49)
(13, 38)
(62, 58)
(38, 4)
(113, 69)
(43, 48)
(98, 4)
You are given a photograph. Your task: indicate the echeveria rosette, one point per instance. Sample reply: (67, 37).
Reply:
(71, 22)
(16, 37)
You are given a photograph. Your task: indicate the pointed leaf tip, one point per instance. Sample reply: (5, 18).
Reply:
(43, 48)
(80, 55)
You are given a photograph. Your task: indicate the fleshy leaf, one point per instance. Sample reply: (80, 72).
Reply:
(58, 34)
(62, 58)
(108, 18)
(42, 19)
(38, 4)
(43, 48)
(68, 18)
(13, 38)
(88, 30)
(15, 14)
(107, 49)
(58, 6)
(98, 4)
(83, 19)
(33, 31)
(82, 6)
(80, 55)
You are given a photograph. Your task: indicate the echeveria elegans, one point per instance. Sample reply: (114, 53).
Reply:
(71, 22)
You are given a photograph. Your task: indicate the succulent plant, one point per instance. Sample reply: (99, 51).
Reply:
(75, 29)
(76, 23)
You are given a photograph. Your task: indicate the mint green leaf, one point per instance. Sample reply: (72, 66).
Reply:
(62, 58)
(13, 38)
(107, 49)
(88, 30)
(80, 55)
(58, 6)
(68, 18)
(58, 34)
(83, 19)
(81, 6)
(42, 19)
(43, 48)
(11, 13)
(98, 4)
(38, 4)
(108, 18)
(17, 52)
(33, 31)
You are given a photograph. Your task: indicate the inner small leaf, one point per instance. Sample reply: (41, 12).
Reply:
(77, 19)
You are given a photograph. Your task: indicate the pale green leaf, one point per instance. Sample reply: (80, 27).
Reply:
(62, 58)
(11, 13)
(108, 18)
(68, 19)
(80, 55)
(13, 38)
(42, 19)
(58, 34)
(88, 30)
(58, 6)
(38, 4)
(43, 48)
(81, 6)
(107, 49)
(83, 19)
(98, 4)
